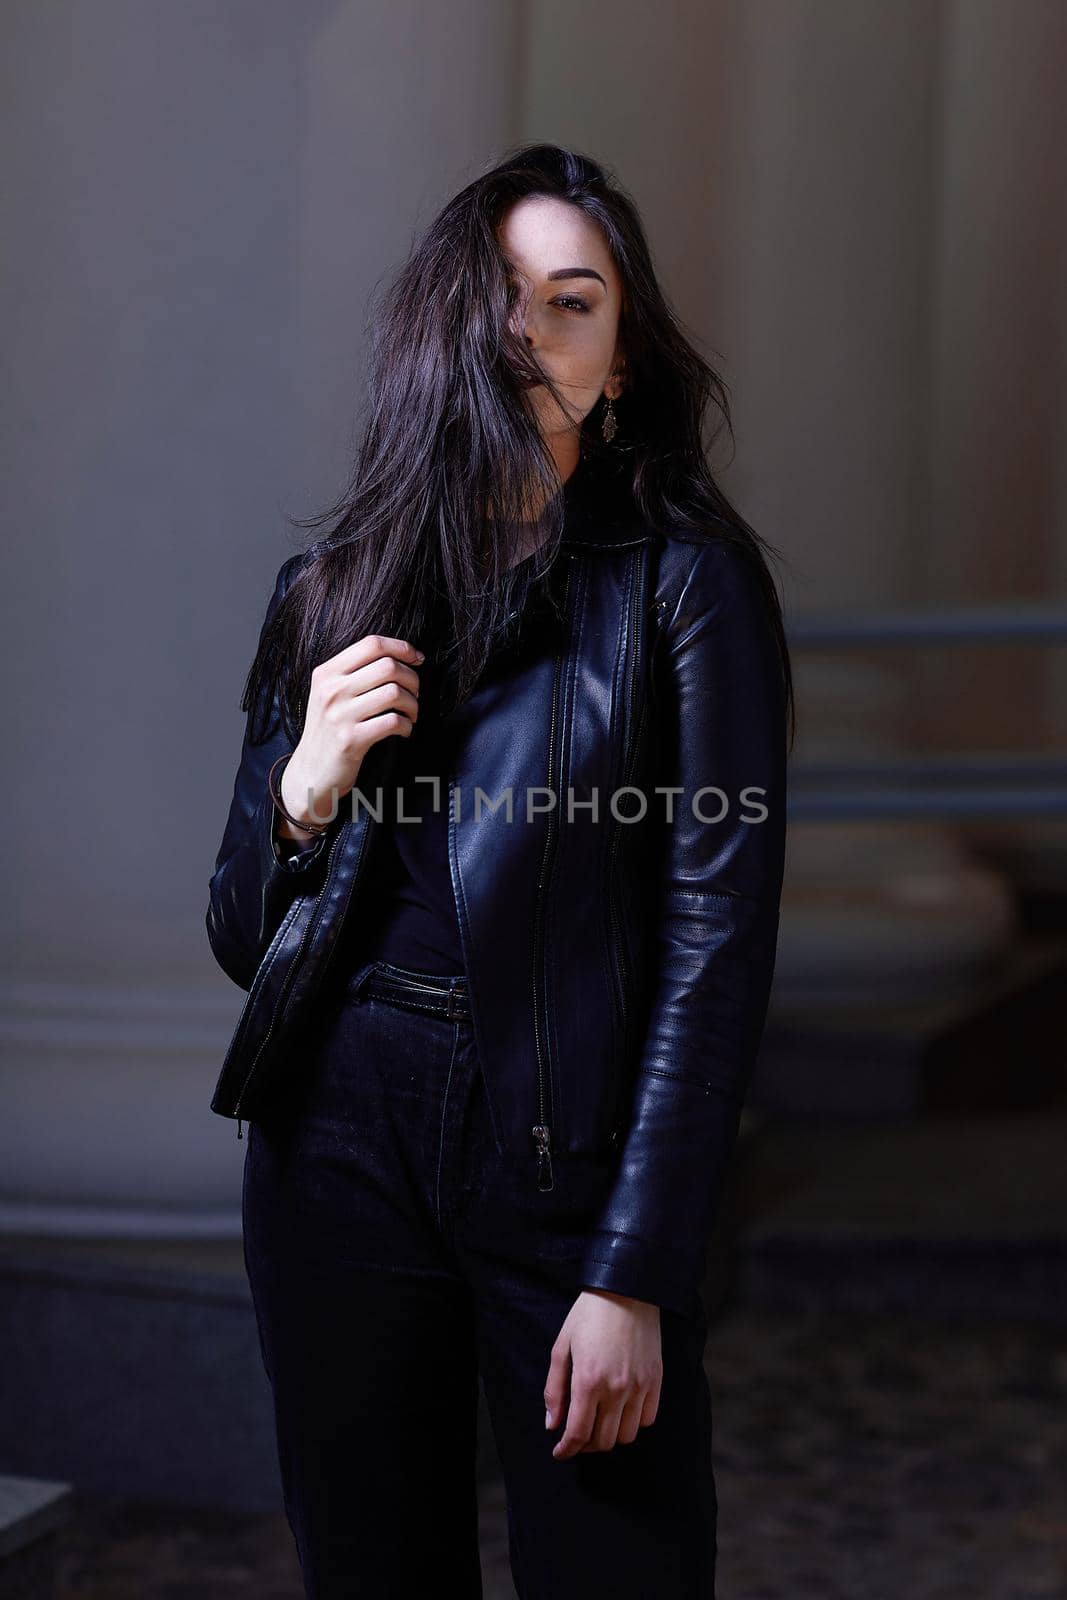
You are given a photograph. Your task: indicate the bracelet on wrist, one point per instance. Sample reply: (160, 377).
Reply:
(305, 827)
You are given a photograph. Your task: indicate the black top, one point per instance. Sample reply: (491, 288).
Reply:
(413, 919)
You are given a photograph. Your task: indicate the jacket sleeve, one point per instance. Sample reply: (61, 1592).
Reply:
(256, 877)
(721, 707)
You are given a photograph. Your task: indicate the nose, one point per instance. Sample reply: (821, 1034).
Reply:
(525, 331)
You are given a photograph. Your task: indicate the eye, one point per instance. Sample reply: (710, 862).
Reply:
(571, 302)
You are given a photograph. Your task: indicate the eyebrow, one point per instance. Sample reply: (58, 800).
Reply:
(574, 272)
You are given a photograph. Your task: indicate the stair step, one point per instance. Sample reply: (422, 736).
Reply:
(33, 1512)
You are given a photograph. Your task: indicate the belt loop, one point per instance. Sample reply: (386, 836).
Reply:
(359, 982)
(453, 1014)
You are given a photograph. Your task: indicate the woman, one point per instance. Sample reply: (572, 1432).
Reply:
(494, 1050)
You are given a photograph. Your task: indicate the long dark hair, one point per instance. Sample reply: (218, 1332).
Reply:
(422, 542)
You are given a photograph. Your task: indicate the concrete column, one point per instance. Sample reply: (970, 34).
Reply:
(998, 391)
(200, 199)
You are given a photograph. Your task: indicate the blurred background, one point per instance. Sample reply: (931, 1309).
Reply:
(858, 208)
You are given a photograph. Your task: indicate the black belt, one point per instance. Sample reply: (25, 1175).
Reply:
(432, 993)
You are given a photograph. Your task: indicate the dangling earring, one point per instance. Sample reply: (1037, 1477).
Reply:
(608, 426)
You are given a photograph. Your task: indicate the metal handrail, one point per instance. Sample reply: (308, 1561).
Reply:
(979, 784)
(845, 804)
(959, 767)
(1023, 622)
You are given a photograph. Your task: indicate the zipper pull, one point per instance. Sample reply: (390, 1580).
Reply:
(239, 1133)
(544, 1157)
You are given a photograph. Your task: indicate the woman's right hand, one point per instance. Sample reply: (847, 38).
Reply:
(367, 692)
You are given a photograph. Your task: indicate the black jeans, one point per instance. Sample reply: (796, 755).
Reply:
(394, 1252)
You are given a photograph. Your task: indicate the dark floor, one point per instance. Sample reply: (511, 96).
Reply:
(869, 1457)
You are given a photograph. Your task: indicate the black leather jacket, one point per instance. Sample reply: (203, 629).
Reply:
(619, 966)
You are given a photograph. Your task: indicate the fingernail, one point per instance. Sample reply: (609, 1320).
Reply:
(420, 655)
(548, 1419)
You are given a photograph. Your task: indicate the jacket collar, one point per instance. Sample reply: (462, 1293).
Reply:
(599, 512)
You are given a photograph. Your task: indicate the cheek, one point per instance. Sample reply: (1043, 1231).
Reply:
(590, 352)
(581, 361)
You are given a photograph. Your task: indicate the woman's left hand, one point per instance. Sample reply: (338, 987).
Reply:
(605, 1373)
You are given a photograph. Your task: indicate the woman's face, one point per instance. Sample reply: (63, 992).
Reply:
(570, 296)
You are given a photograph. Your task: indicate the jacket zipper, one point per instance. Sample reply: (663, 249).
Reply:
(542, 1129)
(621, 965)
(259, 982)
(313, 922)
(616, 930)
